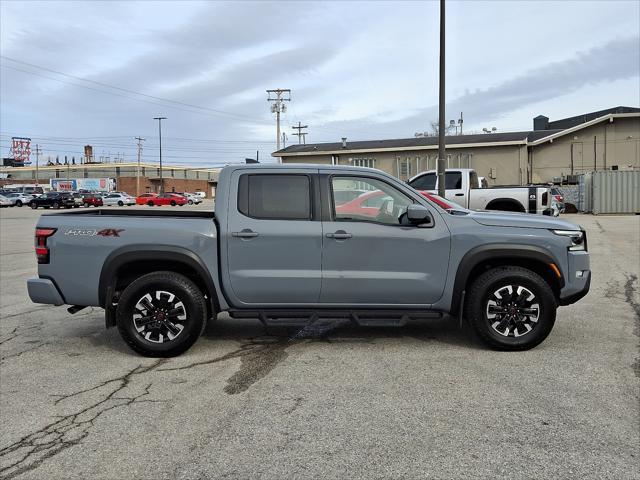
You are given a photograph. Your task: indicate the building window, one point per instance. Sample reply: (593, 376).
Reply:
(364, 162)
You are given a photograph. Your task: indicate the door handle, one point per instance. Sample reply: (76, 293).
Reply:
(459, 194)
(246, 233)
(339, 235)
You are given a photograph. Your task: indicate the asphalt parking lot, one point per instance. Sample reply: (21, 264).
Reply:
(421, 401)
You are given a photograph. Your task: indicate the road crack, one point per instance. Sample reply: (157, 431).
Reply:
(29, 452)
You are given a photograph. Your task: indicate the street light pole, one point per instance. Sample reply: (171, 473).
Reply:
(160, 142)
(442, 159)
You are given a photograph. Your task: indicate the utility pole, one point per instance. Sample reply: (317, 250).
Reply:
(442, 159)
(160, 142)
(140, 140)
(38, 152)
(278, 96)
(301, 134)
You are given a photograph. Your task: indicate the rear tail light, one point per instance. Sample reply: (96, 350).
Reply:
(42, 251)
(545, 198)
(559, 198)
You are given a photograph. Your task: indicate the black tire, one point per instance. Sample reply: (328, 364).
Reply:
(502, 294)
(120, 203)
(152, 344)
(18, 203)
(190, 202)
(33, 205)
(150, 203)
(173, 204)
(56, 205)
(86, 205)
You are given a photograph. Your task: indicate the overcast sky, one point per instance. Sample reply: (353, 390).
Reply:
(363, 70)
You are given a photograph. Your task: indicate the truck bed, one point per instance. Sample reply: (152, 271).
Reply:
(136, 212)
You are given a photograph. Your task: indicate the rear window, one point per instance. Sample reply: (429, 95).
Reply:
(275, 197)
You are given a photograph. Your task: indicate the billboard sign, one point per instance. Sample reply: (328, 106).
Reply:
(99, 184)
(21, 149)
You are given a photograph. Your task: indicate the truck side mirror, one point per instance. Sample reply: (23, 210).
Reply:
(419, 215)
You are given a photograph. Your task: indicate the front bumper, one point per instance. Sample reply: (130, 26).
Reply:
(576, 287)
(43, 290)
(574, 297)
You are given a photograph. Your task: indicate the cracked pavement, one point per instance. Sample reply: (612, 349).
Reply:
(422, 401)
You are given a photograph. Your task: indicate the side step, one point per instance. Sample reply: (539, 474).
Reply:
(363, 318)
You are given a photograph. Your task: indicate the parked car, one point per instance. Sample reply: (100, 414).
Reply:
(277, 249)
(463, 187)
(146, 199)
(32, 189)
(118, 198)
(92, 200)
(6, 202)
(153, 199)
(18, 198)
(202, 195)
(340, 197)
(558, 198)
(53, 200)
(192, 198)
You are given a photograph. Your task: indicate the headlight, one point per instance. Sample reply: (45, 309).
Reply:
(576, 236)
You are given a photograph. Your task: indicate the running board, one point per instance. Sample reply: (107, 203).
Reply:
(363, 318)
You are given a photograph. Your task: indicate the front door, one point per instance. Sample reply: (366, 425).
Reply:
(273, 238)
(371, 257)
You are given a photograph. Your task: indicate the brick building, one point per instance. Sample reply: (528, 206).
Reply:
(127, 176)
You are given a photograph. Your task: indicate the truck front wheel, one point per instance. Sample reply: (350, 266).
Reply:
(161, 314)
(511, 308)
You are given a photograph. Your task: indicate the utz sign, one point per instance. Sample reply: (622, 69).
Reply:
(21, 150)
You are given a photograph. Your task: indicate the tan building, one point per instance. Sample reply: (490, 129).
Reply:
(608, 139)
(127, 176)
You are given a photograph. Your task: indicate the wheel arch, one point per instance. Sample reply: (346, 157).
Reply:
(126, 264)
(506, 202)
(485, 257)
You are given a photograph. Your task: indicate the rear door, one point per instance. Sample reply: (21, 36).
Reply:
(456, 190)
(375, 260)
(274, 237)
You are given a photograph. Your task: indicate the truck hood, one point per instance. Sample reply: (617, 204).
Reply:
(523, 220)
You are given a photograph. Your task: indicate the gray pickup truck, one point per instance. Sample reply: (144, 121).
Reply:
(280, 248)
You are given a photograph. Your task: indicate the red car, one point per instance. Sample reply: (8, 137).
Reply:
(152, 199)
(366, 204)
(146, 199)
(91, 200)
(369, 204)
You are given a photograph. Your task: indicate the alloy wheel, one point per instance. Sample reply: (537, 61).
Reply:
(513, 311)
(159, 316)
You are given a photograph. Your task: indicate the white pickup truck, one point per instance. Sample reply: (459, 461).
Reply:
(463, 187)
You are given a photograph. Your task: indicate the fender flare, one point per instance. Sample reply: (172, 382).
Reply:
(482, 253)
(134, 253)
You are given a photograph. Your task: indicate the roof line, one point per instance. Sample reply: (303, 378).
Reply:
(609, 116)
(339, 151)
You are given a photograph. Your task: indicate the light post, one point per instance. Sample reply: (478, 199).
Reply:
(160, 142)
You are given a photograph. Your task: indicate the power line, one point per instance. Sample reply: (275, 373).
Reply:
(126, 90)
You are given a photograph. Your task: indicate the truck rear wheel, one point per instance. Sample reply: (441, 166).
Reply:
(511, 308)
(161, 314)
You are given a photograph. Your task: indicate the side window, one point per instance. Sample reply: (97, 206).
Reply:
(425, 182)
(275, 197)
(381, 203)
(453, 181)
(473, 180)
